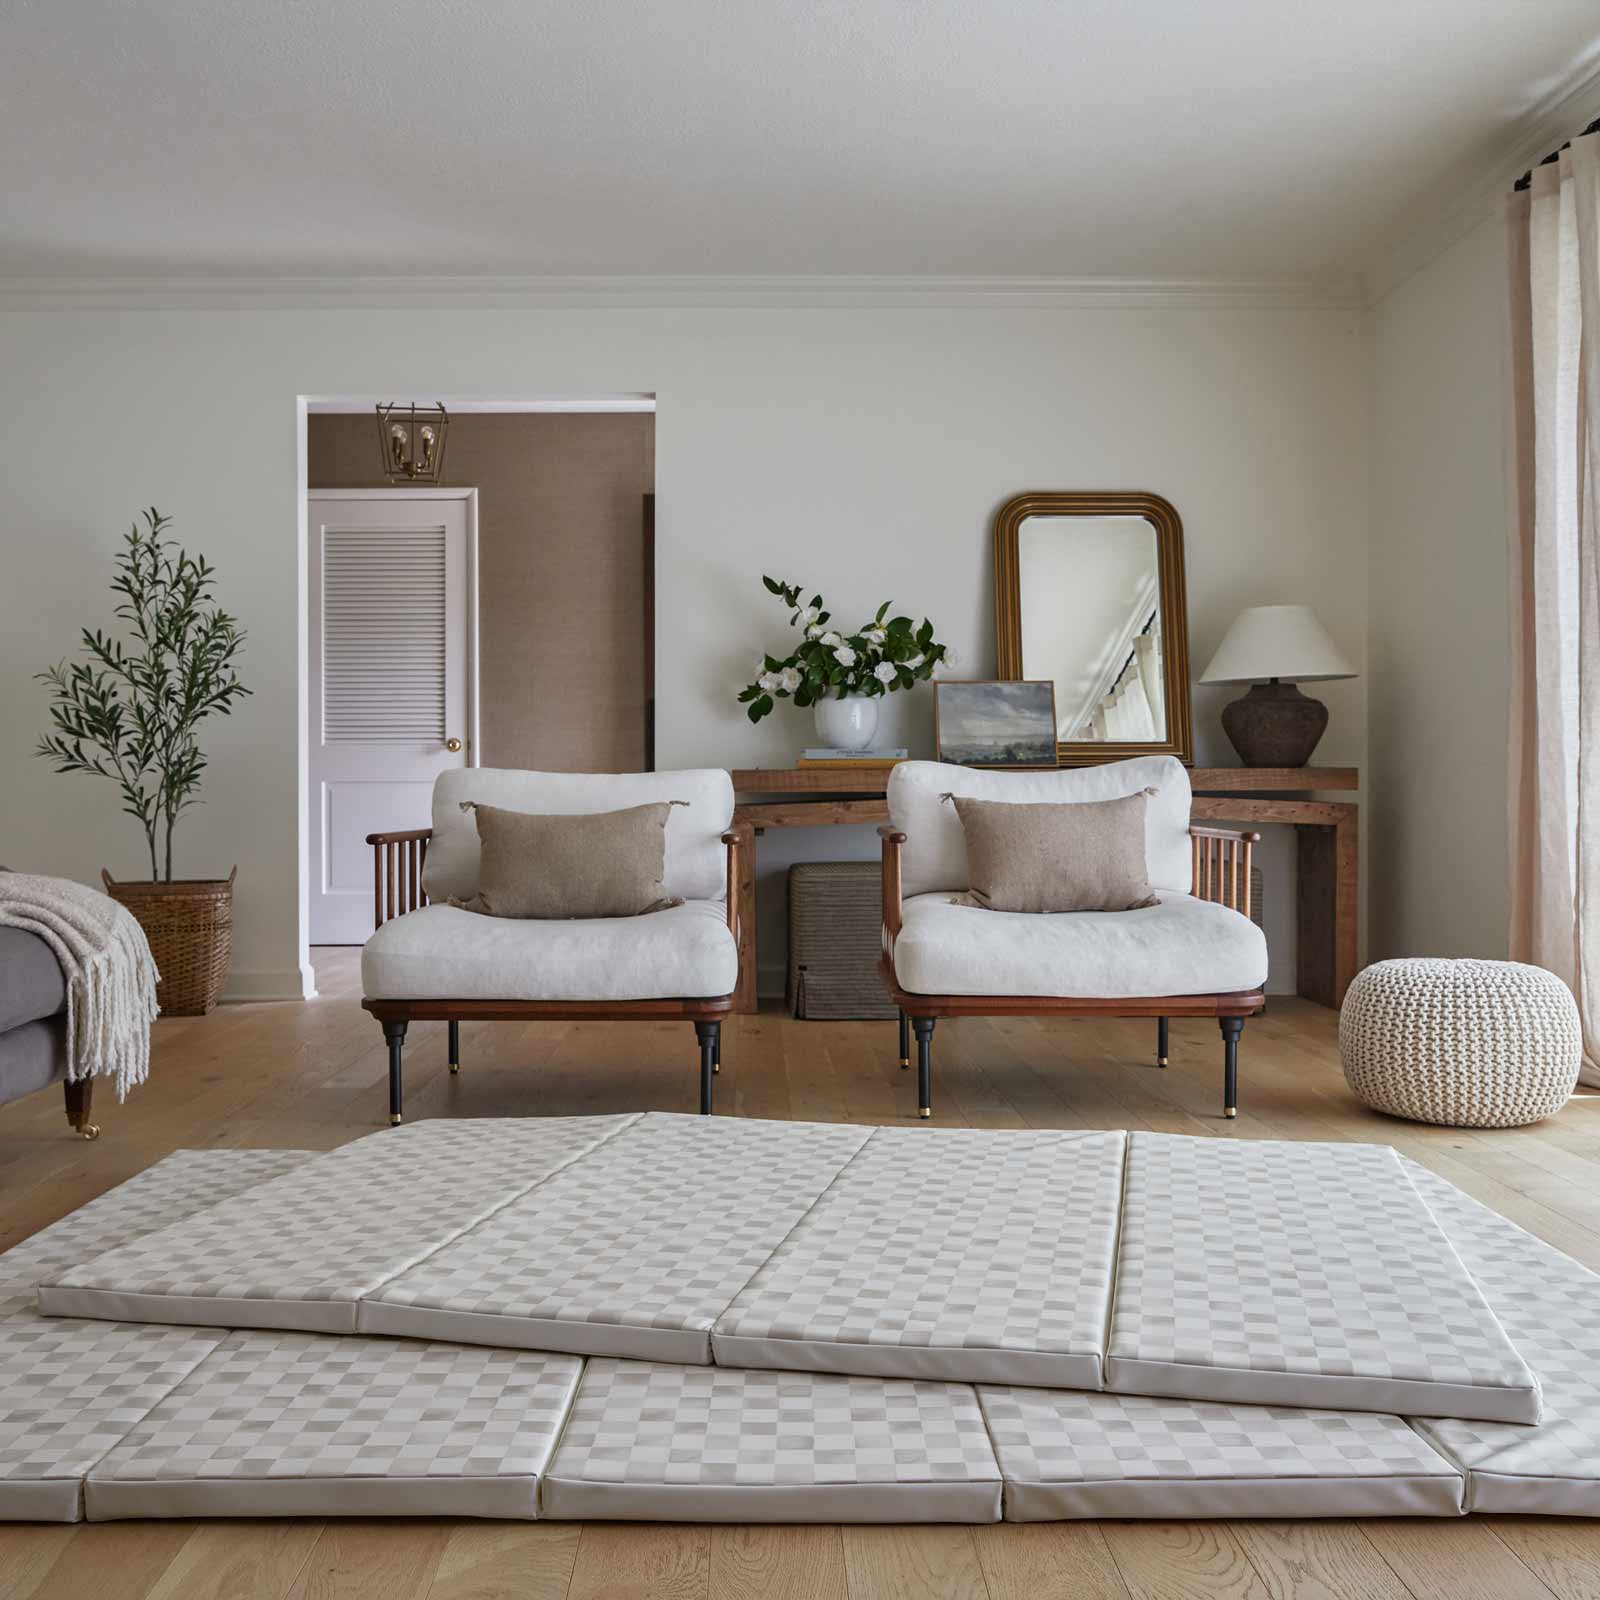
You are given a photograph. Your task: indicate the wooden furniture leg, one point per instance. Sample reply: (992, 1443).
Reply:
(80, 1095)
(744, 997)
(1329, 870)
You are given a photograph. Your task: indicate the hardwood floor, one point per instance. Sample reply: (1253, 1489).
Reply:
(313, 1076)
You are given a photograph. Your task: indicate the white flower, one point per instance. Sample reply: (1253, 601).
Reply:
(830, 638)
(874, 635)
(789, 679)
(814, 631)
(915, 662)
(845, 656)
(949, 659)
(768, 682)
(809, 615)
(884, 672)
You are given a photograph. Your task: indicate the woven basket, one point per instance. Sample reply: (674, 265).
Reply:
(835, 939)
(190, 928)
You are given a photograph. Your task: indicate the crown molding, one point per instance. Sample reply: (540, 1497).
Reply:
(1473, 192)
(1319, 293)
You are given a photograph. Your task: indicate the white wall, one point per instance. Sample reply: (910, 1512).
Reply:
(1440, 645)
(862, 452)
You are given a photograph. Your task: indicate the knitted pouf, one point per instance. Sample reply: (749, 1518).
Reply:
(1469, 1044)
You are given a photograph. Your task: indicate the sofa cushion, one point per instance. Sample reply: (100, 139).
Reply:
(31, 985)
(935, 851)
(697, 863)
(1179, 946)
(443, 953)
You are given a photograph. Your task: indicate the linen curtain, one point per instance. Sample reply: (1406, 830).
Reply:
(1554, 252)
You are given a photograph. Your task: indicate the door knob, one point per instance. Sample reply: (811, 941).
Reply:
(452, 745)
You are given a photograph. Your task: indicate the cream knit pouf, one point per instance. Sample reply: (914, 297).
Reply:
(1469, 1044)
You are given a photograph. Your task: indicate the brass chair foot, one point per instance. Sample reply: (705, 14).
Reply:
(1161, 1061)
(905, 1063)
(394, 1121)
(924, 1111)
(1230, 1111)
(89, 1130)
(455, 1067)
(716, 1066)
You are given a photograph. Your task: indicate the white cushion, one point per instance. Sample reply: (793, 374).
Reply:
(935, 852)
(696, 867)
(1180, 946)
(442, 953)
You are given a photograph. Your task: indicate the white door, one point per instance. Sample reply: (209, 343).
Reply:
(392, 678)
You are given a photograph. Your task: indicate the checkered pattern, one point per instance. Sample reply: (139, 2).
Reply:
(1295, 1258)
(959, 1238)
(344, 1222)
(1549, 1304)
(70, 1390)
(640, 1423)
(658, 1228)
(1056, 1436)
(298, 1405)
(176, 1187)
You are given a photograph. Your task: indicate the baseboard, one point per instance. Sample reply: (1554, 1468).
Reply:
(290, 983)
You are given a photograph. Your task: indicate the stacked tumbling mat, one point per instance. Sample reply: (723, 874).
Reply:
(727, 1319)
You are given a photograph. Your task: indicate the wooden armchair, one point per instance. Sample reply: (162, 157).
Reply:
(1221, 862)
(398, 863)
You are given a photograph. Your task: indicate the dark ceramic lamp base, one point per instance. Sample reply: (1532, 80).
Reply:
(1274, 725)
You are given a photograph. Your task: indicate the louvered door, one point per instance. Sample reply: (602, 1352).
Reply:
(390, 655)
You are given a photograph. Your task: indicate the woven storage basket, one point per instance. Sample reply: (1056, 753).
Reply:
(1466, 1044)
(835, 939)
(190, 928)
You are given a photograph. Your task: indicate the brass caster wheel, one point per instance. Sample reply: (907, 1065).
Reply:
(1230, 1111)
(89, 1130)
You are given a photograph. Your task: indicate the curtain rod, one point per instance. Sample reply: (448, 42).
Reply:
(1526, 180)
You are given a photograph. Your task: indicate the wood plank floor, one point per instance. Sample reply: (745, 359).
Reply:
(313, 1076)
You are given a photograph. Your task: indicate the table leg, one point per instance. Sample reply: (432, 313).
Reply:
(1328, 923)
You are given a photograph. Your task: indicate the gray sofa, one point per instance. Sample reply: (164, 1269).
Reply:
(33, 1026)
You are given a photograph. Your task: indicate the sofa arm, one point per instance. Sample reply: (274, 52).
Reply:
(397, 863)
(892, 841)
(1221, 860)
(731, 841)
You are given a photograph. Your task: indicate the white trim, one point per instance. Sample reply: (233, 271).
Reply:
(347, 407)
(1333, 292)
(295, 983)
(1473, 193)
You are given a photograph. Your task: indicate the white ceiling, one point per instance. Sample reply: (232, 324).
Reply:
(903, 137)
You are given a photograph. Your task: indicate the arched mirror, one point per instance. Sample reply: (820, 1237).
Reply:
(1089, 593)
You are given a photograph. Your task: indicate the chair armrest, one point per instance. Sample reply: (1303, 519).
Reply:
(397, 863)
(1221, 864)
(892, 841)
(731, 840)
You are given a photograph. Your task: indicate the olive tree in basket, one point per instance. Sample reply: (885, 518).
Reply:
(130, 710)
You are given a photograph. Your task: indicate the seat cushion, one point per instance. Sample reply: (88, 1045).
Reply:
(442, 953)
(31, 985)
(935, 852)
(1179, 946)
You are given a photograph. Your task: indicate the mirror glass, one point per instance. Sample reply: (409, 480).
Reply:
(1090, 600)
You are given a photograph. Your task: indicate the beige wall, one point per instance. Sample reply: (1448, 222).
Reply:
(560, 573)
(1439, 681)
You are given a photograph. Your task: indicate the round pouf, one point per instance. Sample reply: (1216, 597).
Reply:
(1469, 1044)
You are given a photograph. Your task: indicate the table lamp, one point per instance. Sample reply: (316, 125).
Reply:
(1272, 648)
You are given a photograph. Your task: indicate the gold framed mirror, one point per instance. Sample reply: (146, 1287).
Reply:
(1089, 593)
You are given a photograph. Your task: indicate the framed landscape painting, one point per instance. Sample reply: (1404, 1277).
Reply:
(995, 724)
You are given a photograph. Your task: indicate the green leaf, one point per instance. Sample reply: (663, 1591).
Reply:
(900, 625)
(881, 609)
(773, 586)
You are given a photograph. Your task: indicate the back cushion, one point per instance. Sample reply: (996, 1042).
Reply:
(934, 858)
(697, 867)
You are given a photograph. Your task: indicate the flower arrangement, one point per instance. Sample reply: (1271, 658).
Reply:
(878, 658)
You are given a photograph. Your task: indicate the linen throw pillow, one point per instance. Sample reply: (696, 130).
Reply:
(603, 864)
(1050, 857)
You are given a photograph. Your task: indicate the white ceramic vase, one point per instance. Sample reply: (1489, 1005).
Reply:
(847, 724)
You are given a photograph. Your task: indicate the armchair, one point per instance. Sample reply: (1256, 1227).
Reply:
(1196, 954)
(432, 961)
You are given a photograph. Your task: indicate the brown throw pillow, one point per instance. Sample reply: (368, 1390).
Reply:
(1028, 857)
(606, 864)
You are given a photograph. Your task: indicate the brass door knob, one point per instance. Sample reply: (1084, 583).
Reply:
(452, 745)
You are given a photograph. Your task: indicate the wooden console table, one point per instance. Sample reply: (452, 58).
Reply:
(1327, 840)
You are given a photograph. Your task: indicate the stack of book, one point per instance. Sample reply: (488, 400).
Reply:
(851, 758)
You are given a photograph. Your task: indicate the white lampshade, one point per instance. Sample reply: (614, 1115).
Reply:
(1277, 642)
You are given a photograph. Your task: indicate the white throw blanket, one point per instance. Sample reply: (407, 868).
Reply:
(111, 975)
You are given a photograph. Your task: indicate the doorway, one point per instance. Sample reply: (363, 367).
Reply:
(392, 679)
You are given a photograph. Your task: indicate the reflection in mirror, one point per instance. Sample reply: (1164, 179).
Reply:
(1090, 592)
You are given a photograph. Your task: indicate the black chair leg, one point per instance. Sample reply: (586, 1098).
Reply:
(716, 1051)
(710, 1036)
(905, 1041)
(1161, 1041)
(455, 1046)
(924, 1030)
(1231, 1027)
(394, 1034)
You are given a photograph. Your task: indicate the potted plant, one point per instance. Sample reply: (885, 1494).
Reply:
(842, 675)
(130, 711)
